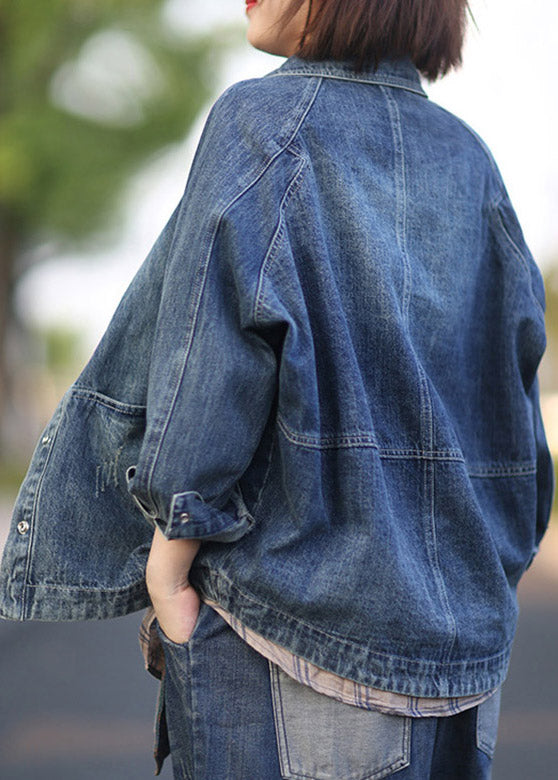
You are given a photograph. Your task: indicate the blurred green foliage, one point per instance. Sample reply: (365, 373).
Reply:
(89, 90)
(12, 473)
(63, 346)
(62, 171)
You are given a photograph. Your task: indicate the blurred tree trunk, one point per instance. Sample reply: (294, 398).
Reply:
(8, 253)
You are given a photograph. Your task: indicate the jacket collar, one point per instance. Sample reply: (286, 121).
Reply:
(397, 72)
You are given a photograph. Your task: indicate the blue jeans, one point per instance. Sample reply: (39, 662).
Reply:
(226, 713)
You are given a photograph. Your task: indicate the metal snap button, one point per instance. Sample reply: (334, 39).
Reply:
(45, 440)
(23, 526)
(184, 517)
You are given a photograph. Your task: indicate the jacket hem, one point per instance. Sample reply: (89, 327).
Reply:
(362, 663)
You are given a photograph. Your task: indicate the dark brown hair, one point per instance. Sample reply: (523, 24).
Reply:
(430, 32)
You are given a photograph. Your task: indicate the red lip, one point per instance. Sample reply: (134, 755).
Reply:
(250, 4)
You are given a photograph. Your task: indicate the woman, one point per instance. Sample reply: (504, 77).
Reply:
(320, 390)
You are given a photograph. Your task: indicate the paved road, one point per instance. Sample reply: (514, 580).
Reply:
(76, 703)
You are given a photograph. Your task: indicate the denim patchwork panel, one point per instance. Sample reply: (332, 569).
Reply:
(321, 738)
(488, 715)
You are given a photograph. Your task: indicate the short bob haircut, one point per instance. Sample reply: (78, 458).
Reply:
(430, 32)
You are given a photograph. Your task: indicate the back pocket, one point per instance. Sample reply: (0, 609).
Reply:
(488, 715)
(320, 738)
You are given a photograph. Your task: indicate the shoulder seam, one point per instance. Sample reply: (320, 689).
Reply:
(287, 146)
(292, 186)
(269, 257)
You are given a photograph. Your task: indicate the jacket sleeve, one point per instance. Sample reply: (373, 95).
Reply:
(212, 372)
(211, 384)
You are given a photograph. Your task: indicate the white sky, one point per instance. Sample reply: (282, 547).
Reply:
(506, 90)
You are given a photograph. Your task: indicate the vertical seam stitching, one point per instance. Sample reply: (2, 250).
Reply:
(195, 763)
(401, 197)
(276, 240)
(266, 475)
(425, 400)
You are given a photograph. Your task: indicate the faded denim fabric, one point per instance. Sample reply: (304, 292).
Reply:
(326, 369)
(226, 713)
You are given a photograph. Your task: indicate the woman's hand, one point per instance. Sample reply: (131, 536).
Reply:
(174, 600)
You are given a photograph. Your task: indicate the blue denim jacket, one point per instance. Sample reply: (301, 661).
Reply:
(326, 369)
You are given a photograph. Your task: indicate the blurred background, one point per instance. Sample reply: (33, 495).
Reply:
(101, 106)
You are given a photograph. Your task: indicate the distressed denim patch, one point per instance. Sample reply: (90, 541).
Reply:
(320, 738)
(488, 715)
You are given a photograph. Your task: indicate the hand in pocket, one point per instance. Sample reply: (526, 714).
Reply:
(177, 613)
(174, 600)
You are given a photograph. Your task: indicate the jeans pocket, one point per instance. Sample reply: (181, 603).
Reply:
(168, 643)
(320, 738)
(488, 715)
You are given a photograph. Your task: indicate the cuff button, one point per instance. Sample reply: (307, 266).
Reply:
(23, 527)
(184, 517)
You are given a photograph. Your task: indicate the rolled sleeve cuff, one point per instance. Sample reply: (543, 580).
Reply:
(190, 517)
